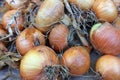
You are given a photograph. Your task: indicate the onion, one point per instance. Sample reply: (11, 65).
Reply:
(35, 61)
(50, 12)
(8, 17)
(15, 4)
(105, 10)
(109, 67)
(82, 4)
(58, 37)
(105, 38)
(28, 39)
(77, 59)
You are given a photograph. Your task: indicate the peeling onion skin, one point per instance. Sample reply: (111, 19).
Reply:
(16, 4)
(77, 59)
(109, 67)
(83, 4)
(58, 37)
(8, 16)
(106, 38)
(34, 62)
(105, 10)
(27, 38)
(50, 12)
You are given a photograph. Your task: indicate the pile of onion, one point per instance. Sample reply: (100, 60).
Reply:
(109, 67)
(77, 59)
(33, 64)
(28, 39)
(105, 38)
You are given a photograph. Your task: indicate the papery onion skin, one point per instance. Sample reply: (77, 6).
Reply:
(58, 37)
(27, 38)
(83, 4)
(36, 60)
(109, 67)
(105, 38)
(8, 16)
(105, 10)
(77, 59)
(50, 12)
(15, 4)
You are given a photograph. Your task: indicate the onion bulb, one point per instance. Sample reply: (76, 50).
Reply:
(77, 59)
(8, 18)
(28, 39)
(109, 67)
(50, 12)
(35, 61)
(105, 10)
(83, 4)
(105, 38)
(15, 4)
(58, 37)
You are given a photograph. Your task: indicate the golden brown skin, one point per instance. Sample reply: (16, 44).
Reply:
(106, 39)
(8, 16)
(109, 67)
(33, 63)
(77, 59)
(50, 12)
(105, 10)
(58, 37)
(27, 39)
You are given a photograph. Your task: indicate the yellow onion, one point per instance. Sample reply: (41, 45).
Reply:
(105, 38)
(58, 37)
(77, 59)
(109, 67)
(50, 12)
(15, 4)
(28, 39)
(105, 10)
(83, 4)
(33, 64)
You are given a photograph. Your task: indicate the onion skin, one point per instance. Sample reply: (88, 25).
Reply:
(27, 38)
(77, 59)
(83, 4)
(15, 4)
(34, 62)
(105, 10)
(117, 22)
(50, 12)
(8, 16)
(58, 37)
(109, 67)
(105, 38)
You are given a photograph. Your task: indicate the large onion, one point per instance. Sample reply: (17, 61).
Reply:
(35, 61)
(105, 10)
(28, 39)
(106, 38)
(77, 59)
(109, 67)
(50, 12)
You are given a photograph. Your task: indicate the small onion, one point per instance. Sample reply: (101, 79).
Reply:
(83, 4)
(58, 37)
(77, 59)
(28, 39)
(109, 67)
(33, 63)
(8, 16)
(15, 4)
(50, 12)
(105, 10)
(105, 38)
